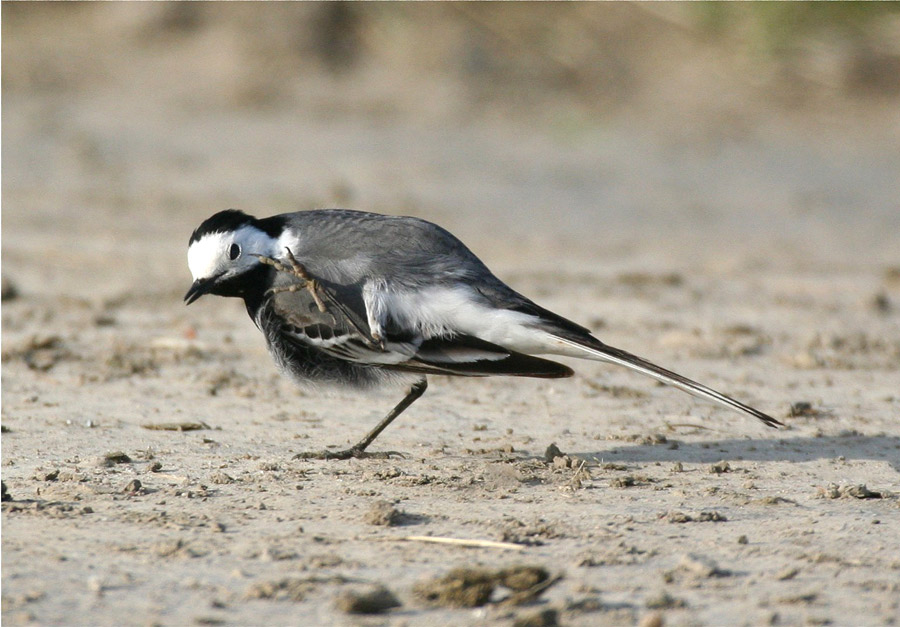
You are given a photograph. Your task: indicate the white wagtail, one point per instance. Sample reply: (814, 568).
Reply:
(361, 299)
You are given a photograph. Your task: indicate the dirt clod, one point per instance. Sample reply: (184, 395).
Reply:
(370, 600)
(134, 486)
(652, 620)
(176, 426)
(461, 587)
(804, 409)
(40, 352)
(221, 478)
(552, 453)
(663, 601)
(8, 289)
(858, 491)
(289, 589)
(383, 513)
(701, 566)
(562, 462)
(471, 587)
(111, 459)
(548, 617)
(681, 517)
(624, 482)
(787, 574)
(520, 578)
(711, 516)
(174, 548)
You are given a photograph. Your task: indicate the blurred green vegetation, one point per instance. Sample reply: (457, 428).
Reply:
(780, 25)
(598, 56)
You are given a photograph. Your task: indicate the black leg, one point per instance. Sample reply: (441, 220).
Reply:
(359, 449)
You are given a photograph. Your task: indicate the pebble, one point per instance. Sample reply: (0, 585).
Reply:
(373, 599)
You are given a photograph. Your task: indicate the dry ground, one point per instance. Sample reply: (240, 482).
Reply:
(765, 264)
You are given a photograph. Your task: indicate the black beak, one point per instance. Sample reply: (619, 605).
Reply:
(198, 289)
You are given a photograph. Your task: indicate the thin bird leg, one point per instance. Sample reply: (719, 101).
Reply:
(358, 450)
(296, 268)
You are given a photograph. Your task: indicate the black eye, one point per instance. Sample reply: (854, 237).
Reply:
(234, 252)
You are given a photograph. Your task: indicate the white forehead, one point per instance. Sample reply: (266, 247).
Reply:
(208, 256)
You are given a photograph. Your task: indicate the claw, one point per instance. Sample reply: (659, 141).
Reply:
(296, 268)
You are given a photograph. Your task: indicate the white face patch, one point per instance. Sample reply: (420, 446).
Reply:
(207, 254)
(210, 255)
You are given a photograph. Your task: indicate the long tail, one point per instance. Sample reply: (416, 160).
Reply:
(601, 352)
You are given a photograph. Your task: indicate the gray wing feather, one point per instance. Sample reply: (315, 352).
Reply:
(348, 247)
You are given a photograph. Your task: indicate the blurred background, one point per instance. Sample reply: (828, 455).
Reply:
(714, 137)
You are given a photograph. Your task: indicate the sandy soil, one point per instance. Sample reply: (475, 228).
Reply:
(765, 264)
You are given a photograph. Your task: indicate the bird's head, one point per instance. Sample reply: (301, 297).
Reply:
(223, 253)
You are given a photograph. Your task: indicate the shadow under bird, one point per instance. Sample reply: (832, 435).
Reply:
(361, 299)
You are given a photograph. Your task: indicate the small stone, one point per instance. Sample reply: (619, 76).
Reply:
(881, 303)
(111, 459)
(521, 578)
(711, 517)
(95, 585)
(654, 439)
(370, 600)
(677, 517)
(830, 491)
(278, 554)
(548, 617)
(383, 513)
(663, 601)
(720, 467)
(702, 566)
(787, 574)
(461, 587)
(133, 486)
(652, 620)
(861, 492)
(802, 408)
(221, 478)
(552, 453)
(742, 539)
(8, 289)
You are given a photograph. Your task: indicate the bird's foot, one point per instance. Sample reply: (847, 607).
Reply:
(349, 453)
(306, 281)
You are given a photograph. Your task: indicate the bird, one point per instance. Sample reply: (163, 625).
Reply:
(359, 299)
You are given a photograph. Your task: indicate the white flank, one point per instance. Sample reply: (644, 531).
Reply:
(442, 311)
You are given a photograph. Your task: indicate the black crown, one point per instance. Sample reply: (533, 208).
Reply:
(228, 220)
